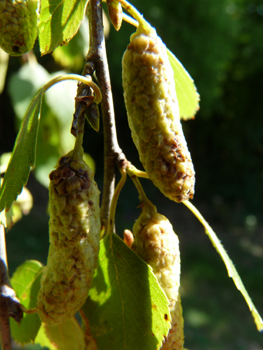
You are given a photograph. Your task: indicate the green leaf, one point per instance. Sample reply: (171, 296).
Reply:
(59, 22)
(4, 58)
(66, 336)
(126, 308)
(187, 95)
(26, 283)
(23, 156)
(4, 160)
(23, 85)
(72, 55)
(43, 339)
(232, 272)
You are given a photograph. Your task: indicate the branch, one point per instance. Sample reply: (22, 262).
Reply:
(112, 151)
(5, 334)
(9, 304)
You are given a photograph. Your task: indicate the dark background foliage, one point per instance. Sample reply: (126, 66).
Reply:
(220, 44)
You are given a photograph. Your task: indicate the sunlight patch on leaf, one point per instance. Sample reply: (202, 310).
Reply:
(43, 340)
(59, 22)
(26, 283)
(66, 336)
(187, 95)
(126, 308)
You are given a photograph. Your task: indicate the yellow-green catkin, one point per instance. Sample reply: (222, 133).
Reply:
(74, 230)
(157, 244)
(153, 115)
(18, 25)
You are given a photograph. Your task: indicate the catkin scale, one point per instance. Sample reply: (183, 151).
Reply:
(157, 244)
(18, 25)
(153, 115)
(74, 229)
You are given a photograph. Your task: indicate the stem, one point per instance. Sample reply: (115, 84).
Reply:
(5, 335)
(112, 151)
(111, 224)
(136, 14)
(138, 186)
(133, 171)
(130, 20)
(80, 132)
(84, 80)
(132, 10)
(146, 204)
(232, 272)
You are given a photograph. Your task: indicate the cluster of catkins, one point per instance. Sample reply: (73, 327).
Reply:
(74, 226)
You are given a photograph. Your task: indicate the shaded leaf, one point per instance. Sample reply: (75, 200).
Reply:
(59, 22)
(26, 283)
(23, 156)
(126, 308)
(23, 85)
(66, 336)
(187, 95)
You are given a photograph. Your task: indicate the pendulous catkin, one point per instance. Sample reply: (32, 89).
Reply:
(153, 115)
(157, 244)
(74, 230)
(18, 25)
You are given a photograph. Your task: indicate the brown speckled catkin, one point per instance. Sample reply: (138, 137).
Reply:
(153, 115)
(74, 229)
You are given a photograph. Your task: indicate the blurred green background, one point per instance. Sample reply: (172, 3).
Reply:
(220, 44)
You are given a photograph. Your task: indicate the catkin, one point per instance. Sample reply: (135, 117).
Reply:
(153, 115)
(157, 244)
(74, 229)
(18, 25)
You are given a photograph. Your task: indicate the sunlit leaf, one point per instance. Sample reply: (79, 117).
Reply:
(26, 283)
(126, 309)
(59, 22)
(187, 95)
(43, 339)
(4, 160)
(4, 58)
(66, 336)
(23, 203)
(20, 207)
(73, 54)
(23, 156)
